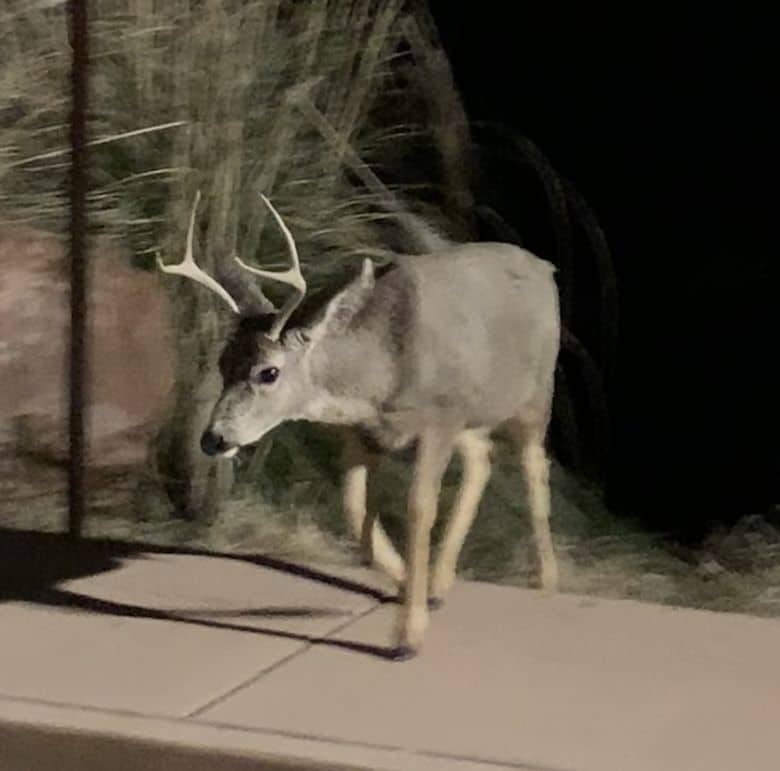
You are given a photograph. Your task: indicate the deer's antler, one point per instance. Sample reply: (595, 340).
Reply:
(292, 276)
(189, 269)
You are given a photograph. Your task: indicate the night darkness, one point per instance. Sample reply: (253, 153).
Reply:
(667, 122)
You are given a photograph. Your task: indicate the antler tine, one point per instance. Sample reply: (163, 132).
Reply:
(189, 269)
(292, 276)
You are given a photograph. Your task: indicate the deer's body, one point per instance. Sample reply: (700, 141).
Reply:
(442, 349)
(468, 337)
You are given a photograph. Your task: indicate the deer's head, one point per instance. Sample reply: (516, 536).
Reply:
(265, 368)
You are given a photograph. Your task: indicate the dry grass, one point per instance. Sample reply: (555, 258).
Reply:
(189, 95)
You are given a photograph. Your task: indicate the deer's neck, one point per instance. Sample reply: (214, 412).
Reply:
(351, 377)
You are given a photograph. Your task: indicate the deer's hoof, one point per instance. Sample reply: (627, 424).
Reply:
(434, 603)
(402, 653)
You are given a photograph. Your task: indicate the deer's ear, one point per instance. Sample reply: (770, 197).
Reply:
(340, 311)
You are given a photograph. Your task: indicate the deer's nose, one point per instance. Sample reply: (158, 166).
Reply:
(212, 444)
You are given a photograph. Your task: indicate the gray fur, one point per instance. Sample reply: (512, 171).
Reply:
(466, 338)
(442, 348)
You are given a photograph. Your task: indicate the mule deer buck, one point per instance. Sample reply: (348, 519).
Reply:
(441, 349)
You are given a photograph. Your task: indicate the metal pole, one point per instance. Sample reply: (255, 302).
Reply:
(77, 18)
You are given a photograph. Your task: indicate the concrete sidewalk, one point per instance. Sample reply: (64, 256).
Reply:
(174, 661)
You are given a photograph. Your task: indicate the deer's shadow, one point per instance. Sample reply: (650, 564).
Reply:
(33, 566)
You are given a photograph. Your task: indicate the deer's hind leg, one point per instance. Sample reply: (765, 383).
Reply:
(529, 439)
(474, 448)
(376, 547)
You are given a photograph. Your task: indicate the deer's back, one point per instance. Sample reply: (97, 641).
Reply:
(482, 336)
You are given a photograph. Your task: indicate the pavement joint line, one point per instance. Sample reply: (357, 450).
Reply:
(304, 648)
(260, 731)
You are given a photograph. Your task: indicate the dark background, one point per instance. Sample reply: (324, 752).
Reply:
(667, 122)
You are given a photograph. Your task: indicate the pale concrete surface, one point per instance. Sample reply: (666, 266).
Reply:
(39, 737)
(233, 671)
(164, 667)
(229, 591)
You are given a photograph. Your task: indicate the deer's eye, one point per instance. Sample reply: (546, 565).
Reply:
(267, 375)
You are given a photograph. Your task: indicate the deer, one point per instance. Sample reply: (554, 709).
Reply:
(434, 352)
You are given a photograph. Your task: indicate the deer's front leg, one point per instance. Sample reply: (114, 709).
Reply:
(377, 548)
(433, 454)
(474, 447)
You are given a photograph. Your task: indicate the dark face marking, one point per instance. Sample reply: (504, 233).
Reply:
(244, 350)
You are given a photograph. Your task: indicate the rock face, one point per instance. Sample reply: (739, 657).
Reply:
(131, 357)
